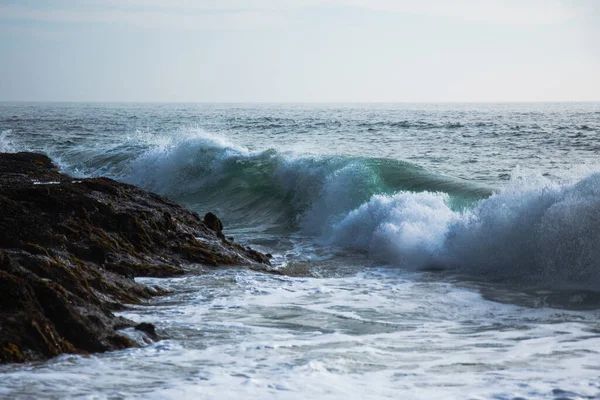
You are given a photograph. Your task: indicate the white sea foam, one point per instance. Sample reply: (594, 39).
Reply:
(375, 334)
(407, 228)
(534, 229)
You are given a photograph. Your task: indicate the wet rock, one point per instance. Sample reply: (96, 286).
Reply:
(69, 250)
(148, 329)
(214, 223)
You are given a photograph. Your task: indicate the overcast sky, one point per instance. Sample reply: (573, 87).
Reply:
(300, 50)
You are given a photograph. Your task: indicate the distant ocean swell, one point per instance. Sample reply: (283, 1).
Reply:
(262, 123)
(534, 230)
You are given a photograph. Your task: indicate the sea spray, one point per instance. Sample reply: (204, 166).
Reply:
(533, 231)
(405, 228)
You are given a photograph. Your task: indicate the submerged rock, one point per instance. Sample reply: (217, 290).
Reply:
(70, 248)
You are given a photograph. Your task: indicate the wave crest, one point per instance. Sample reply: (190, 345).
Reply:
(270, 188)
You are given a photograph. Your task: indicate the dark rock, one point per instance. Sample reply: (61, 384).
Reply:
(214, 223)
(69, 250)
(148, 329)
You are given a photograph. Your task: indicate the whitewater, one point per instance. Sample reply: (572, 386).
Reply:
(429, 250)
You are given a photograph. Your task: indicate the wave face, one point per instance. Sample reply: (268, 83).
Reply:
(275, 190)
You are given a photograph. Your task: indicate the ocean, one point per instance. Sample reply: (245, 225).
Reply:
(430, 251)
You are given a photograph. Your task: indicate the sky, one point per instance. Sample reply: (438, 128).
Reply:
(300, 50)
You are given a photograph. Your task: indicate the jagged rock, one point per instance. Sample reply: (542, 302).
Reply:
(70, 248)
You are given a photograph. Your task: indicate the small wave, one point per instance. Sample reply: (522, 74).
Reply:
(411, 124)
(406, 124)
(263, 123)
(585, 128)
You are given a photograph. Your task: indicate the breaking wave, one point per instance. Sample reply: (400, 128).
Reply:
(533, 230)
(276, 189)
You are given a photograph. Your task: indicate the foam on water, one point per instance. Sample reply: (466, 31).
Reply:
(6, 144)
(376, 334)
(533, 231)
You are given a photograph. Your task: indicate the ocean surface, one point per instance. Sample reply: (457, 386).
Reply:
(431, 251)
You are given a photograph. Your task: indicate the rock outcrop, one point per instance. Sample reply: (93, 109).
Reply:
(70, 248)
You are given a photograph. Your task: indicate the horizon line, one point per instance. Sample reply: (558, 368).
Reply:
(302, 102)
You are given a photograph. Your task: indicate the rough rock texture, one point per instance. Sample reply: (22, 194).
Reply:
(70, 248)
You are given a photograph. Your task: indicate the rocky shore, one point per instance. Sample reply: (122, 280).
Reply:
(70, 250)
